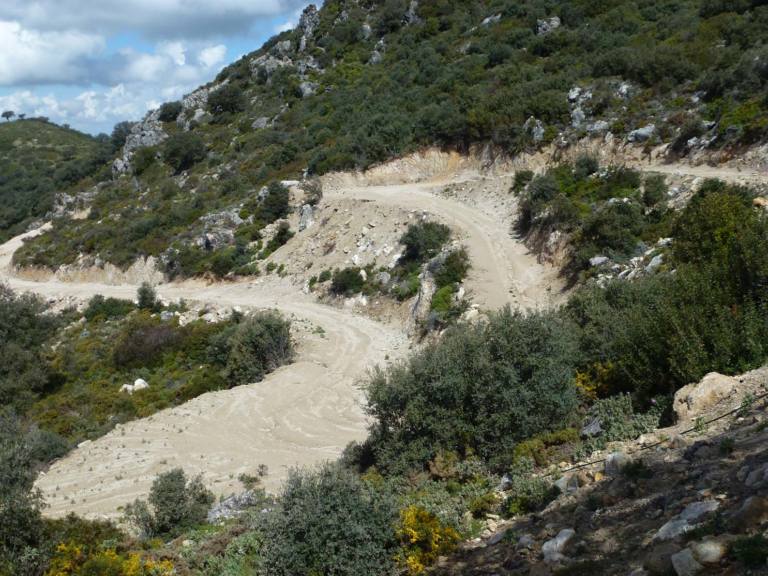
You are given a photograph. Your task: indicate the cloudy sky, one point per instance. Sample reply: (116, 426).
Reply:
(92, 63)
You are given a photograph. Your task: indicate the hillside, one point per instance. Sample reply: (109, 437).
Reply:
(418, 287)
(39, 159)
(358, 83)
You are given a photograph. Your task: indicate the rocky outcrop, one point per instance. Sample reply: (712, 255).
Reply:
(148, 132)
(547, 25)
(233, 506)
(696, 398)
(308, 23)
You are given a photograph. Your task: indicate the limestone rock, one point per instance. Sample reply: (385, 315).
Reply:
(547, 25)
(553, 550)
(685, 564)
(694, 399)
(641, 134)
(615, 462)
(709, 551)
(306, 219)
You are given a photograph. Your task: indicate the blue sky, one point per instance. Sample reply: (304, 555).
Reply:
(93, 63)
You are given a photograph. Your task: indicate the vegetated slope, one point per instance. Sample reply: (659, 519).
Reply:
(37, 160)
(360, 82)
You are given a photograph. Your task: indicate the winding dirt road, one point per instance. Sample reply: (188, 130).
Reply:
(301, 414)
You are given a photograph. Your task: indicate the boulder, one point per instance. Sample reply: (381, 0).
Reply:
(659, 560)
(685, 564)
(260, 123)
(490, 20)
(308, 88)
(140, 384)
(752, 514)
(685, 521)
(696, 398)
(306, 218)
(709, 551)
(641, 134)
(553, 550)
(598, 261)
(592, 428)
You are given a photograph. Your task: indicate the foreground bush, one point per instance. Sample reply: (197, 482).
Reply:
(330, 522)
(175, 503)
(260, 344)
(481, 389)
(424, 240)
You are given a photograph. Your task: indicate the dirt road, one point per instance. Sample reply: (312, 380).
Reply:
(303, 413)
(503, 269)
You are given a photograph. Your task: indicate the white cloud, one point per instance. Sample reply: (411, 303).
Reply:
(31, 56)
(212, 55)
(155, 18)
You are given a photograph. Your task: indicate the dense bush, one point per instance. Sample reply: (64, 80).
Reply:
(24, 329)
(275, 204)
(174, 503)
(330, 522)
(170, 111)
(424, 240)
(261, 343)
(228, 98)
(107, 308)
(481, 389)
(183, 150)
(147, 297)
(21, 524)
(347, 281)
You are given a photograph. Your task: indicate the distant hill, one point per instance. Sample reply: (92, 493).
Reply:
(38, 159)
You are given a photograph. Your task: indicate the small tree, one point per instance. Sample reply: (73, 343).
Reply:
(147, 297)
(175, 503)
(8, 114)
(228, 98)
(182, 151)
(276, 203)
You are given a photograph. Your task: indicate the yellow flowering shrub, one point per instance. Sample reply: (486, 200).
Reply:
(596, 381)
(424, 538)
(70, 560)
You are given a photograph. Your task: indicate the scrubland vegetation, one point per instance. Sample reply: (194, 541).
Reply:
(456, 74)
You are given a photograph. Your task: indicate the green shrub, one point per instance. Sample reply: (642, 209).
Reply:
(526, 492)
(453, 269)
(20, 503)
(175, 504)
(424, 240)
(142, 159)
(654, 189)
(482, 388)
(144, 341)
(522, 178)
(752, 551)
(261, 343)
(276, 203)
(329, 522)
(107, 308)
(347, 282)
(183, 150)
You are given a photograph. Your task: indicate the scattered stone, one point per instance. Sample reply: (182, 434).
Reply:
(655, 264)
(694, 399)
(526, 541)
(232, 506)
(598, 261)
(260, 123)
(491, 20)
